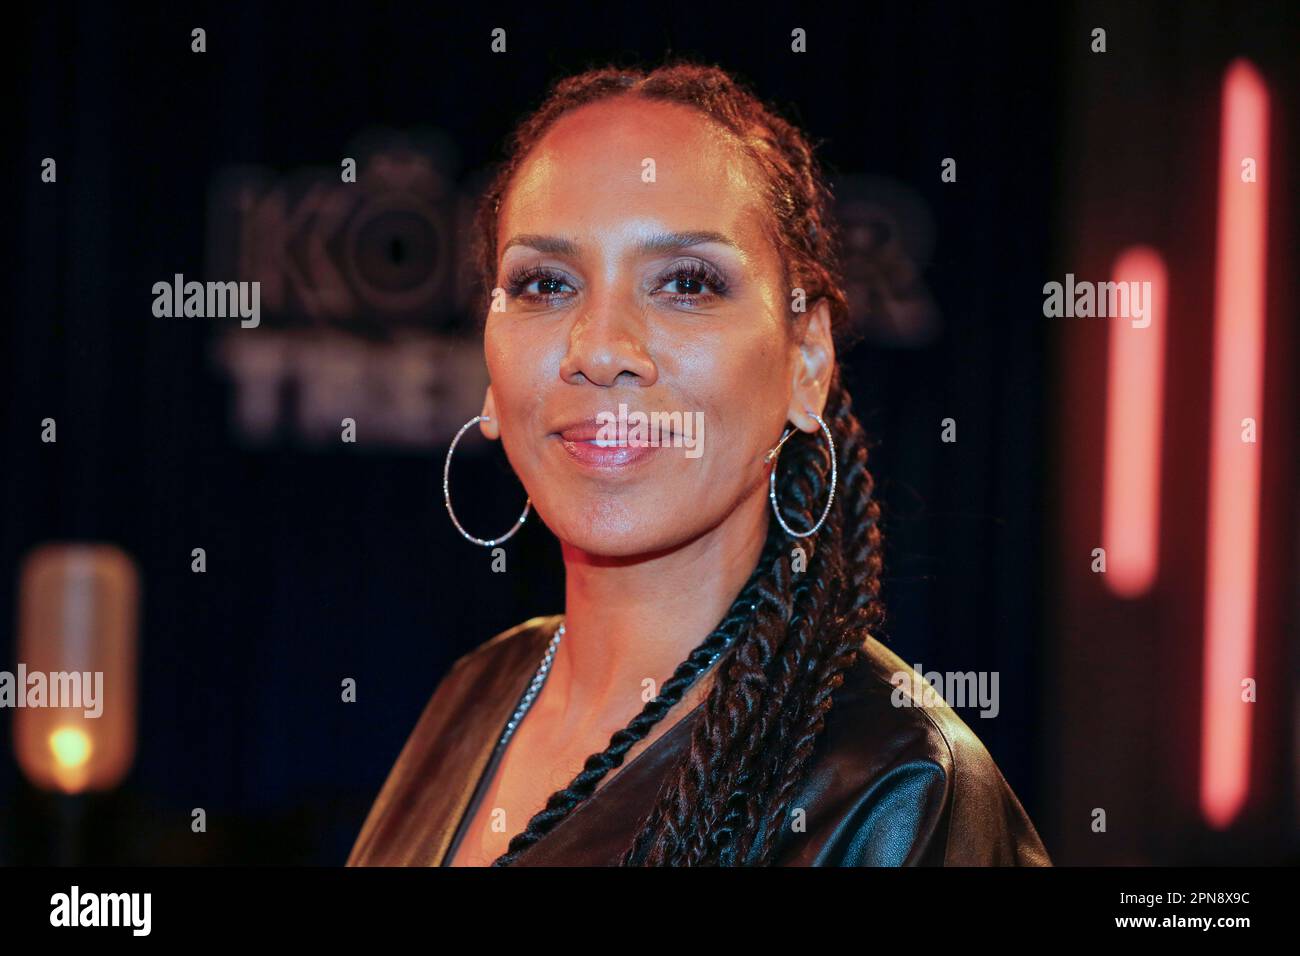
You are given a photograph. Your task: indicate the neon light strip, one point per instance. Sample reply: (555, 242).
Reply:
(1134, 416)
(1238, 389)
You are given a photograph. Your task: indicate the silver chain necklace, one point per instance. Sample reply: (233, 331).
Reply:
(535, 686)
(538, 680)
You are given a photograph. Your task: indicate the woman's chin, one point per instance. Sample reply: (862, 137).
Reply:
(618, 536)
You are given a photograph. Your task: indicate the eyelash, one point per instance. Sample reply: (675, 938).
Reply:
(686, 270)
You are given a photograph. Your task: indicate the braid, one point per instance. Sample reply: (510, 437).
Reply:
(735, 719)
(694, 779)
(857, 607)
(562, 802)
(791, 635)
(806, 480)
(759, 778)
(806, 628)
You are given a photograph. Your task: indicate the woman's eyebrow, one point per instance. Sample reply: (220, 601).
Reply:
(657, 243)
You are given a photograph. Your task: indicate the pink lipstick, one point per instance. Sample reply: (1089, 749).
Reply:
(589, 443)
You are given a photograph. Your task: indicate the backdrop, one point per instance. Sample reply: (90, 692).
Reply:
(326, 559)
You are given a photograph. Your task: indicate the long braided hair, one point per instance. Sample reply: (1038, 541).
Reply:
(796, 627)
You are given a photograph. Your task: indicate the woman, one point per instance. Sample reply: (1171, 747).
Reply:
(713, 693)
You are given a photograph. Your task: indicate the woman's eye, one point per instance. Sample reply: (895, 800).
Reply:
(535, 285)
(688, 285)
(691, 283)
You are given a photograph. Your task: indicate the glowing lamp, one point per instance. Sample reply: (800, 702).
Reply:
(73, 689)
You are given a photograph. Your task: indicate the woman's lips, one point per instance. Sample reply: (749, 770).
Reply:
(588, 443)
(606, 455)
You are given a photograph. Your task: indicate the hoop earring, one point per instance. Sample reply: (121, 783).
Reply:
(446, 491)
(771, 485)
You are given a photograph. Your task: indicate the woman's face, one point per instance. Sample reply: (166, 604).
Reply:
(637, 273)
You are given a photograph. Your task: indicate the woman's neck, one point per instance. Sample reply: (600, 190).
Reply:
(635, 620)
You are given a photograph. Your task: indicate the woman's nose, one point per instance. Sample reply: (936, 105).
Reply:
(607, 346)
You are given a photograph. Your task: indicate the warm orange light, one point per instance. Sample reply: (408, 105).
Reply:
(75, 722)
(1134, 415)
(71, 747)
(1237, 394)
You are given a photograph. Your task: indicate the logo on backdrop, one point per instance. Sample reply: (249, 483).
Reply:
(365, 290)
(364, 296)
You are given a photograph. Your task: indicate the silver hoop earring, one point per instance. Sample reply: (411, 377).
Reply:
(771, 484)
(446, 491)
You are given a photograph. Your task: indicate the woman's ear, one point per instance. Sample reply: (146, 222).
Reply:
(490, 427)
(812, 372)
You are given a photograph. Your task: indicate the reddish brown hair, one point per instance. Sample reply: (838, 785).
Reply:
(798, 198)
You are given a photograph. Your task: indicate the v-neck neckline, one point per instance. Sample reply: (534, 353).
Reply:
(498, 752)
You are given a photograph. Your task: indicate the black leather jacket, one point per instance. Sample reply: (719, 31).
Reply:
(888, 785)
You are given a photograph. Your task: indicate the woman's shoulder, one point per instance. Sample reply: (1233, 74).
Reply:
(896, 777)
(484, 672)
(517, 641)
(883, 691)
(904, 780)
(480, 681)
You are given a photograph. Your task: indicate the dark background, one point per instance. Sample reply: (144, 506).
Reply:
(339, 561)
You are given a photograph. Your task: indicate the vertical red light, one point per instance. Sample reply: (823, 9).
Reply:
(1134, 413)
(1234, 492)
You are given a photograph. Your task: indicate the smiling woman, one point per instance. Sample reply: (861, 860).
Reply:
(714, 692)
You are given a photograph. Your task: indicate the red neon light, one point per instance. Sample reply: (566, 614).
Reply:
(1238, 390)
(1134, 412)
